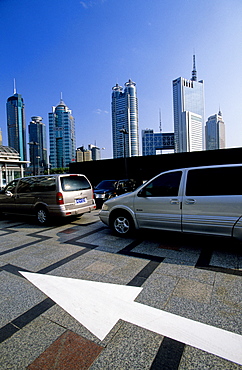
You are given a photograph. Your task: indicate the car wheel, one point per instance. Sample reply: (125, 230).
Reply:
(122, 224)
(42, 216)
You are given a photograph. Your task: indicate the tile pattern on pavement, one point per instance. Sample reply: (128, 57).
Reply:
(195, 277)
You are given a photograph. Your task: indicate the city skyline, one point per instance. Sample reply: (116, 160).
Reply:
(94, 44)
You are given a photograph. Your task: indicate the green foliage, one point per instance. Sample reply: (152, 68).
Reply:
(59, 170)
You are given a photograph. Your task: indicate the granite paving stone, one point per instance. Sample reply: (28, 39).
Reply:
(28, 343)
(131, 348)
(157, 291)
(69, 351)
(194, 358)
(193, 290)
(231, 260)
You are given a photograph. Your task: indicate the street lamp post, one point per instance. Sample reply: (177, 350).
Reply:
(124, 132)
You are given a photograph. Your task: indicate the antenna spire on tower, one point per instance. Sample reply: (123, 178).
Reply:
(14, 87)
(160, 120)
(194, 71)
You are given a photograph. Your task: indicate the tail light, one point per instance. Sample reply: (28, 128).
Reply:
(59, 198)
(93, 199)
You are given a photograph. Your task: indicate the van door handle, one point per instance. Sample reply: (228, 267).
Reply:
(174, 201)
(190, 201)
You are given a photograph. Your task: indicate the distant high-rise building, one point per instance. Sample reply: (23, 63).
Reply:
(83, 155)
(95, 152)
(188, 96)
(37, 145)
(151, 141)
(125, 121)
(215, 132)
(62, 136)
(16, 124)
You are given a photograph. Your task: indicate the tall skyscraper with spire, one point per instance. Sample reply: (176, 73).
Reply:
(16, 124)
(37, 145)
(215, 132)
(188, 109)
(62, 136)
(125, 120)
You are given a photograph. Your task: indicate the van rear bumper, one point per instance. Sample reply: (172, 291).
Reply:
(62, 212)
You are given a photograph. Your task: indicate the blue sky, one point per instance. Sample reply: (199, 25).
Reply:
(83, 48)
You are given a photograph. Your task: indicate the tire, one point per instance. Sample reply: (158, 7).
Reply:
(122, 224)
(42, 216)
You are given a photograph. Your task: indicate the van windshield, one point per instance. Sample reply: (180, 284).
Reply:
(74, 183)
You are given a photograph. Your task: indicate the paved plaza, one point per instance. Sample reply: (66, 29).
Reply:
(195, 277)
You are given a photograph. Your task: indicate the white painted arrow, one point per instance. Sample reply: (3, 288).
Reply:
(98, 306)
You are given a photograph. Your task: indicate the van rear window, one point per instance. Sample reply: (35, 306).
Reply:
(74, 183)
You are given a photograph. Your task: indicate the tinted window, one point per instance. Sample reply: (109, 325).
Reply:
(106, 184)
(44, 184)
(25, 185)
(214, 181)
(36, 184)
(74, 183)
(166, 185)
(11, 186)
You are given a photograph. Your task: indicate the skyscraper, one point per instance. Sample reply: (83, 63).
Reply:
(151, 141)
(188, 96)
(215, 132)
(37, 145)
(125, 121)
(16, 124)
(62, 136)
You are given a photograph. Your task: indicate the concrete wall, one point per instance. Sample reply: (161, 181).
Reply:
(144, 168)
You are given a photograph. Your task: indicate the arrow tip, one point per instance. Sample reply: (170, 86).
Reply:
(96, 305)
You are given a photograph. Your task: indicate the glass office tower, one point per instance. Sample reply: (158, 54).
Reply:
(16, 125)
(188, 96)
(125, 121)
(151, 141)
(37, 145)
(215, 132)
(62, 136)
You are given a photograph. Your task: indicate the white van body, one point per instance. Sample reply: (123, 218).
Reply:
(206, 200)
(48, 195)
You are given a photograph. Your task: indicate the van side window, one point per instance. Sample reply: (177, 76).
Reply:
(166, 185)
(11, 186)
(214, 181)
(44, 184)
(74, 183)
(24, 185)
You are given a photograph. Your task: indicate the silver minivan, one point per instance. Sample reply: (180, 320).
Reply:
(48, 195)
(205, 200)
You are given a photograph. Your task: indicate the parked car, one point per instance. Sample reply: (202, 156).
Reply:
(206, 200)
(48, 196)
(107, 189)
